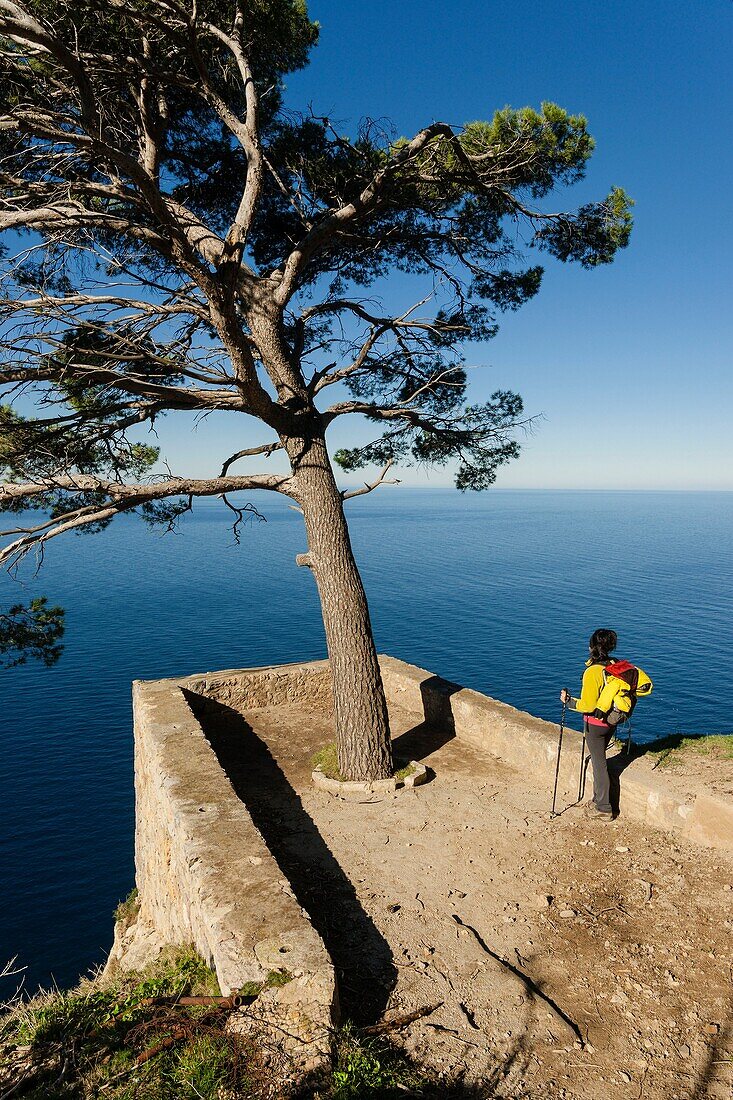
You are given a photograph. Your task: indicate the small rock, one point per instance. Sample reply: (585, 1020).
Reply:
(625, 1076)
(394, 908)
(543, 901)
(622, 848)
(567, 912)
(712, 1029)
(255, 860)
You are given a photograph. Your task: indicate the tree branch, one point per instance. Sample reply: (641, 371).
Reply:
(266, 449)
(369, 487)
(123, 498)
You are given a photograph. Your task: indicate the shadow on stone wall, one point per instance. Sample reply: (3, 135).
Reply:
(361, 956)
(439, 726)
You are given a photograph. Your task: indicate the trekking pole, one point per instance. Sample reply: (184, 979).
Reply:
(557, 766)
(582, 766)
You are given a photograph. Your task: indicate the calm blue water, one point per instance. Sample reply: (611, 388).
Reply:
(499, 592)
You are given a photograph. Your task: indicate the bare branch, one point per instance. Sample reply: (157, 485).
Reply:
(266, 449)
(369, 487)
(123, 498)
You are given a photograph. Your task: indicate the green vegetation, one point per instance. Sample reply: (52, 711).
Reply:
(369, 1067)
(31, 631)
(278, 978)
(274, 980)
(126, 911)
(675, 750)
(98, 1032)
(327, 759)
(128, 1040)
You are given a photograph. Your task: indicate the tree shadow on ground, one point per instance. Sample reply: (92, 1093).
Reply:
(709, 1081)
(362, 957)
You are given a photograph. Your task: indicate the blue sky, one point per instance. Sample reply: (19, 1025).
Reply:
(627, 367)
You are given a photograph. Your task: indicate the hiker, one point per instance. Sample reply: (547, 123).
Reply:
(598, 731)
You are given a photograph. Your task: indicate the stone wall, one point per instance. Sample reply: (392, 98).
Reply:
(247, 689)
(204, 874)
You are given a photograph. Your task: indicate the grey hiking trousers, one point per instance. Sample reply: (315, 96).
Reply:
(598, 738)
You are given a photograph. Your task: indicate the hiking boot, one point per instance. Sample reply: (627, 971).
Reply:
(592, 811)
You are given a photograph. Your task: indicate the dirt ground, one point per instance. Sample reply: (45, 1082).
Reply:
(571, 958)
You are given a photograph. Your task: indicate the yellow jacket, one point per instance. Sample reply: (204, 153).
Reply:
(602, 690)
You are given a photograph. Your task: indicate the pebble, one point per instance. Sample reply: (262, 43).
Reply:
(543, 901)
(625, 1076)
(622, 848)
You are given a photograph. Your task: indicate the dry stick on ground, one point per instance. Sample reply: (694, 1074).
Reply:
(401, 1021)
(531, 986)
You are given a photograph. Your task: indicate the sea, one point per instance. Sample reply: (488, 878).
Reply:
(498, 591)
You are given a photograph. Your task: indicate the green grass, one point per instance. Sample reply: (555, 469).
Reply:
(674, 750)
(327, 759)
(101, 1028)
(127, 910)
(365, 1067)
(276, 979)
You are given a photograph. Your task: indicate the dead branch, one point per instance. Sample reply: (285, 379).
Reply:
(369, 487)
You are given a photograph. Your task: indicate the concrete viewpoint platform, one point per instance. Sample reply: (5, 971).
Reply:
(207, 876)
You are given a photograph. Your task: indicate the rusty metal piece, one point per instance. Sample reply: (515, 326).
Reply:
(235, 1000)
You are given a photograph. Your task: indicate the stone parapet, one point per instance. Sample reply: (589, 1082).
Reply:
(528, 743)
(205, 875)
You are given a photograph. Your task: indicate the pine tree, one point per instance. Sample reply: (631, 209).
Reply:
(176, 241)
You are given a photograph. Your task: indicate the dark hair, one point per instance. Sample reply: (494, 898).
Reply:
(602, 642)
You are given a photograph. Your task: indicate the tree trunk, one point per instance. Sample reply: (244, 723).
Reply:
(362, 726)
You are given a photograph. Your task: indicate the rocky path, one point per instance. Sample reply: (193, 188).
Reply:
(571, 958)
